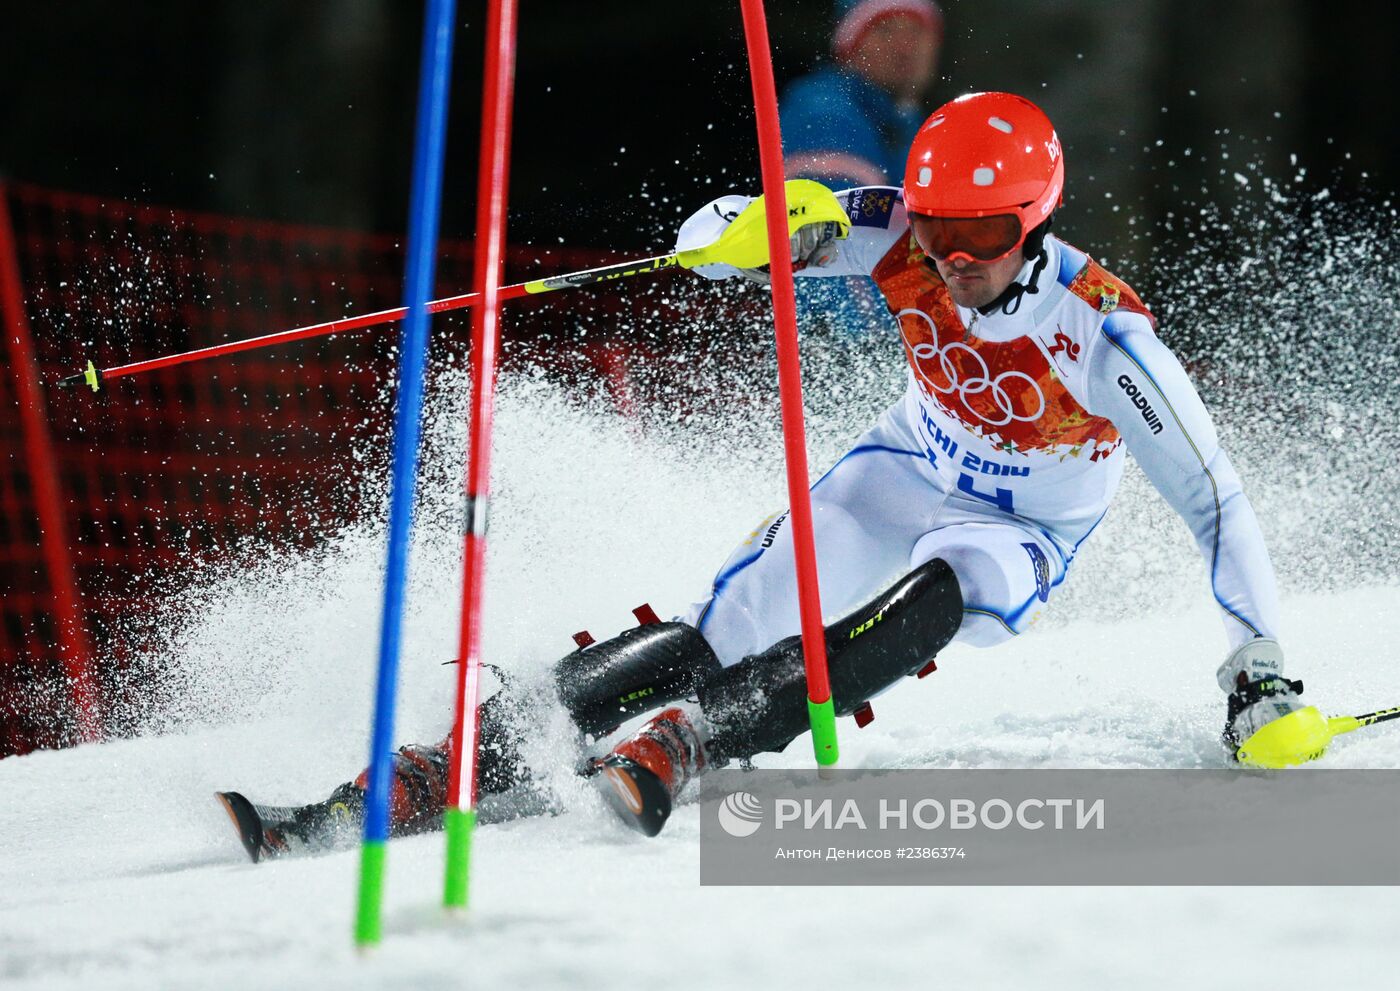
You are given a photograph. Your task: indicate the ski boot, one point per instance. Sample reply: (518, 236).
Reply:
(643, 774)
(1266, 723)
(269, 831)
(417, 793)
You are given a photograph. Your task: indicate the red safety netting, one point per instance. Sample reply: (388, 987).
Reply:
(165, 469)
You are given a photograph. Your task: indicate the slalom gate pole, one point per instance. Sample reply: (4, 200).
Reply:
(75, 647)
(489, 265)
(820, 708)
(430, 137)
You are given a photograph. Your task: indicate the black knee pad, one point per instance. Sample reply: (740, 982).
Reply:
(760, 703)
(607, 683)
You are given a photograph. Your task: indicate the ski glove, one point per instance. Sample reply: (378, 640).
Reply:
(813, 246)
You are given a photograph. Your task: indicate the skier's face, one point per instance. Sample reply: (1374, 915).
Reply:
(974, 283)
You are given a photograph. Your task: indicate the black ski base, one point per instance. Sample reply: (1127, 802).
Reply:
(640, 799)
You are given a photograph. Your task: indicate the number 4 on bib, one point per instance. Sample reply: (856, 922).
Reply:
(1000, 498)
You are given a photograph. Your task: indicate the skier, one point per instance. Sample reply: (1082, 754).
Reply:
(1032, 372)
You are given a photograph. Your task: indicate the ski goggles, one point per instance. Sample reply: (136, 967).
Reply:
(979, 239)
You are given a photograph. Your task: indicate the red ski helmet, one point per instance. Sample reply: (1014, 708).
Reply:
(983, 171)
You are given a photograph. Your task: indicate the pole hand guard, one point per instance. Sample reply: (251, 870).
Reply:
(744, 243)
(1299, 737)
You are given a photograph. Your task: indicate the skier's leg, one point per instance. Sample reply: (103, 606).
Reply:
(1006, 574)
(979, 582)
(601, 686)
(606, 683)
(760, 703)
(869, 510)
(418, 785)
(983, 582)
(867, 513)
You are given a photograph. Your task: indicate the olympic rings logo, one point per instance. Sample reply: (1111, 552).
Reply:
(978, 384)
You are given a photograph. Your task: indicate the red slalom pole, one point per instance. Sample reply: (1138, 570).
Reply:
(820, 708)
(41, 463)
(491, 197)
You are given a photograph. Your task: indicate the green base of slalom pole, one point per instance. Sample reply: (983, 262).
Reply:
(371, 893)
(823, 718)
(459, 824)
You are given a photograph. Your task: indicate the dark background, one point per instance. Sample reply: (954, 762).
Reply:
(629, 115)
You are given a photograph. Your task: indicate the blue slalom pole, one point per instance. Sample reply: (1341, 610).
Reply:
(430, 137)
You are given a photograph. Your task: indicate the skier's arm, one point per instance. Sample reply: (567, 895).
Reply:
(877, 221)
(1138, 384)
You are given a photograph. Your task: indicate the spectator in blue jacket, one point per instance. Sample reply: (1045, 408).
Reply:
(850, 122)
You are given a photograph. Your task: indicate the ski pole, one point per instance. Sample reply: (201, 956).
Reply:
(743, 244)
(1349, 724)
